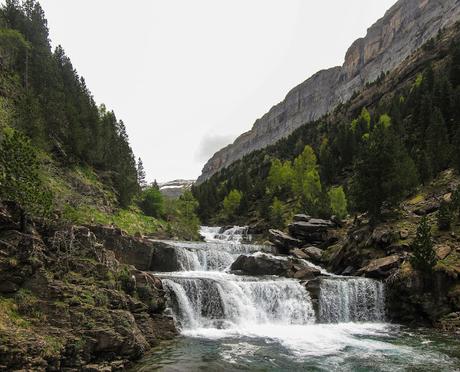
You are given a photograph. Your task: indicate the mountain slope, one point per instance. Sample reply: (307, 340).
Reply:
(404, 28)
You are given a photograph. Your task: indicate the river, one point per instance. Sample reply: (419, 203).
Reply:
(231, 322)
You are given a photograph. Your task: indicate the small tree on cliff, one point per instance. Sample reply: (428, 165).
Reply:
(19, 176)
(424, 257)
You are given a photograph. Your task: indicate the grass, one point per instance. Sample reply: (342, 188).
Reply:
(9, 315)
(130, 220)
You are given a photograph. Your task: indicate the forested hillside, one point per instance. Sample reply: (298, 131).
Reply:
(63, 155)
(370, 153)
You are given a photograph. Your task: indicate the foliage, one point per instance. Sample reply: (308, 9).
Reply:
(181, 216)
(151, 202)
(231, 203)
(384, 173)
(141, 174)
(422, 115)
(277, 212)
(52, 104)
(424, 257)
(19, 175)
(338, 201)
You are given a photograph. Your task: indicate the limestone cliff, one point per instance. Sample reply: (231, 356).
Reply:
(404, 28)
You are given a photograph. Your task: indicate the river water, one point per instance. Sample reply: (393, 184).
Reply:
(231, 322)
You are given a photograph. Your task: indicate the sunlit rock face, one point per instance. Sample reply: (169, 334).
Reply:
(404, 28)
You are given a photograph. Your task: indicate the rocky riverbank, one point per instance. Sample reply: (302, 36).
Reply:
(383, 251)
(68, 302)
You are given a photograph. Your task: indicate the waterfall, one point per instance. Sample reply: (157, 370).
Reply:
(351, 300)
(223, 300)
(204, 295)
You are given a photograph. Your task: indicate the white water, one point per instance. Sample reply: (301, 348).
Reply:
(269, 323)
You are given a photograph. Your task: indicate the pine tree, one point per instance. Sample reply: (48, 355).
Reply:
(424, 257)
(384, 173)
(141, 174)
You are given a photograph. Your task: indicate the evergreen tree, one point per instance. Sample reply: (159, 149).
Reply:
(141, 174)
(424, 257)
(384, 172)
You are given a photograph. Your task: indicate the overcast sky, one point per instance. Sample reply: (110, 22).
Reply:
(187, 77)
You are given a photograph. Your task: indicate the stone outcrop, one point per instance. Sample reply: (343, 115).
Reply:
(283, 241)
(404, 28)
(380, 267)
(313, 231)
(264, 264)
(67, 302)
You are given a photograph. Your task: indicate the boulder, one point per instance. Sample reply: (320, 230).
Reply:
(282, 240)
(299, 253)
(442, 251)
(313, 231)
(383, 236)
(313, 253)
(380, 267)
(301, 218)
(261, 265)
(307, 273)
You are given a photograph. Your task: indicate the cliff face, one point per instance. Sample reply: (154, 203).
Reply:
(404, 28)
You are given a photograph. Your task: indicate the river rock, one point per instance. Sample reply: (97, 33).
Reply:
(315, 231)
(261, 265)
(307, 273)
(282, 240)
(299, 253)
(313, 253)
(380, 267)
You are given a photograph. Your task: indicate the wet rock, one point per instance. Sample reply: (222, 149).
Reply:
(163, 258)
(260, 265)
(313, 253)
(307, 273)
(349, 270)
(282, 240)
(313, 231)
(269, 265)
(380, 267)
(298, 253)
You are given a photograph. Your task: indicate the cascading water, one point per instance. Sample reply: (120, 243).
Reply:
(204, 295)
(351, 300)
(233, 322)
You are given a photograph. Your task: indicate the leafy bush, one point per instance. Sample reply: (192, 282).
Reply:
(151, 202)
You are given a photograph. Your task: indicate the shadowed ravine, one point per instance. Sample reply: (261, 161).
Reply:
(271, 323)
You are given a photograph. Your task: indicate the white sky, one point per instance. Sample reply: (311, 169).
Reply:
(187, 77)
